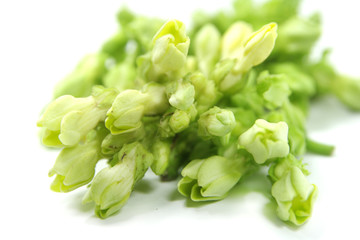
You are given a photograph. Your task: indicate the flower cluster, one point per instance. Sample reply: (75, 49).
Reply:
(209, 106)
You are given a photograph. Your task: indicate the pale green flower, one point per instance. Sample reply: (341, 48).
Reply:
(253, 51)
(216, 122)
(67, 120)
(75, 166)
(293, 193)
(156, 102)
(181, 94)
(206, 92)
(171, 45)
(113, 185)
(161, 150)
(207, 51)
(130, 106)
(191, 64)
(179, 121)
(266, 140)
(167, 59)
(295, 118)
(126, 112)
(175, 121)
(209, 179)
(113, 143)
(233, 40)
(257, 48)
(273, 88)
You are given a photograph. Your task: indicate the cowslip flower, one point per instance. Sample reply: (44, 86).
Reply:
(175, 121)
(257, 48)
(216, 122)
(207, 52)
(266, 140)
(112, 144)
(293, 193)
(295, 119)
(273, 88)
(206, 92)
(161, 150)
(75, 166)
(170, 47)
(179, 121)
(234, 38)
(181, 94)
(168, 56)
(254, 50)
(113, 185)
(130, 106)
(209, 179)
(67, 120)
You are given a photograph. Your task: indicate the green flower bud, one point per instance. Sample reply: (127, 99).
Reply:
(131, 105)
(161, 151)
(75, 166)
(230, 75)
(295, 118)
(233, 40)
(157, 102)
(67, 120)
(226, 80)
(206, 93)
(292, 191)
(181, 94)
(113, 143)
(266, 140)
(207, 52)
(198, 80)
(209, 179)
(179, 121)
(273, 88)
(113, 185)
(191, 64)
(257, 48)
(283, 165)
(87, 74)
(175, 121)
(216, 122)
(126, 112)
(171, 45)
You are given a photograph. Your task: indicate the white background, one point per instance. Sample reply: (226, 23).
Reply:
(41, 41)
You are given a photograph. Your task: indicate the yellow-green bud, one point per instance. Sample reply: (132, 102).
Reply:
(266, 140)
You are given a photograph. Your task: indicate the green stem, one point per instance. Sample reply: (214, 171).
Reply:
(319, 148)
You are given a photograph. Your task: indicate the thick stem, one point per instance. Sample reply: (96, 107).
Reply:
(319, 148)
